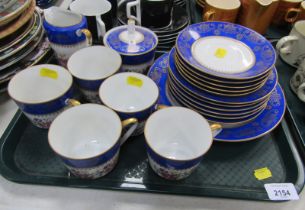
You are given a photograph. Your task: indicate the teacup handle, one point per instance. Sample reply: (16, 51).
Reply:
(301, 92)
(294, 18)
(297, 79)
(208, 16)
(216, 129)
(134, 124)
(137, 4)
(72, 102)
(87, 34)
(100, 26)
(280, 46)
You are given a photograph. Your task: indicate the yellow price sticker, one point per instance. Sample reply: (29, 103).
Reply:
(220, 53)
(262, 173)
(45, 72)
(134, 81)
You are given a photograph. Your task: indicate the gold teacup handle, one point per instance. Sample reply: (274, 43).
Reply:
(88, 36)
(216, 129)
(292, 19)
(208, 16)
(134, 124)
(160, 106)
(72, 102)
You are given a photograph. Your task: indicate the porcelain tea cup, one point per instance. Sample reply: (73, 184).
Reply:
(88, 138)
(91, 66)
(98, 15)
(67, 32)
(292, 47)
(177, 138)
(42, 92)
(136, 45)
(130, 95)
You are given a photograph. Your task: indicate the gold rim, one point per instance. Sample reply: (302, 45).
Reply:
(265, 133)
(207, 79)
(192, 65)
(175, 160)
(203, 112)
(6, 19)
(142, 110)
(117, 141)
(196, 105)
(64, 92)
(170, 73)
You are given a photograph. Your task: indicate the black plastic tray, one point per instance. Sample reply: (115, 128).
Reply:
(226, 171)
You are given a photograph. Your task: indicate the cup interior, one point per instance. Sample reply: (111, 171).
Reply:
(61, 18)
(129, 92)
(232, 4)
(28, 86)
(93, 63)
(84, 131)
(91, 7)
(300, 27)
(178, 133)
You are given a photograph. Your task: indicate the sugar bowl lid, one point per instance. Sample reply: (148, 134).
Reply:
(131, 39)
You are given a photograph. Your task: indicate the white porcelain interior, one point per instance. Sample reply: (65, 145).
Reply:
(300, 27)
(232, 4)
(28, 86)
(222, 54)
(59, 17)
(178, 133)
(119, 94)
(93, 63)
(91, 7)
(84, 131)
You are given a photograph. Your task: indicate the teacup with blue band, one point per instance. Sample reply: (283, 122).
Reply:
(176, 140)
(42, 92)
(88, 138)
(130, 95)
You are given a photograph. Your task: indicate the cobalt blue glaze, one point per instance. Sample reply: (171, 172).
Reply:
(113, 41)
(140, 59)
(142, 115)
(264, 123)
(92, 162)
(48, 107)
(172, 164)
(93, 85)
(65, 35)
(261, 47)
(158, 72)
(252, 97)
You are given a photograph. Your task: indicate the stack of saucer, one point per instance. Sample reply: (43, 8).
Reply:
(21, 38)
(166, 35)
(226, 73)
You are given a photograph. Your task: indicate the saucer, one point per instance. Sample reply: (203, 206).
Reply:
(41, 53)
(18, 22)
(26, 40)
(225, 50)
(14, 11)
(18, 35)
(21, 54)
(264, 123)
(258, 95)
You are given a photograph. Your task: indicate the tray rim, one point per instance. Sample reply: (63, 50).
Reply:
(21, 178)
